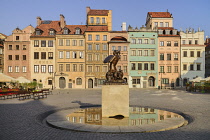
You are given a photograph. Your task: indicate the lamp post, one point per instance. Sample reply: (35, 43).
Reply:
(161, 79)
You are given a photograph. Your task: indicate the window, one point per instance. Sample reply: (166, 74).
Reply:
(78, 31)
(161, 24)
(61, 54)
(90, 69)
(198, 54)
(36, 43)
(97, 47)
(196, 41)
(152, 41)
(89, 46)
(17, 47)
(168, 56)
(198, 66)
(162, 56)
(190, 41)
(152, 66)
(97, 57)
(185, 54)
(133, 66)
(24, 57)
(133, 41)
(139, 41)
(139, 66)
(9, 57)
(113, 48)
(168, 69)
(125, 57)
(176, 70)
(67, 67)
(50, 68)
(80, 42)
(43, 55)
(10, 47)
(183, 41)
(50, 55)
(9, 68)
(24, 69)
(125, 48)
(74, 54)
(24, 47)
(97, 20)
(125, 68)
(79, 81)
(81, 67)
(168, 43)
(97, 69)
(176, 43)
(166, 24)
(104, 37)
(17, 37)
(89, 57)
(160, 31)
(68, 55)
(161, 43)
(175, 56)
(50, 43)
(165, 80)
(74, 43)
(49, 82)
(145, 41)
(162, 69)
(43, 43)
(104, 47)
(80, 54)
(16, 68)
(152, 52)
(145, 52)
(184, 66)
(60, 67)
(36, 68)
(145, 66)
(38, 32)
(119, 48)
(66, 31)
(43, 68)
(36, 55)
(156, 24)
(16, 57)
(133, 52)
(103, 20)
(191, 67)
(139, 53)
(167, 32)
(191, 53)
(89, 37)
(52, 32)
(97, 37)
(92, 20)
(74, 67)
(67, 42)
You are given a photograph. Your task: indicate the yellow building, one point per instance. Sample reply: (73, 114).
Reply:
(99, 23)
(70, 57)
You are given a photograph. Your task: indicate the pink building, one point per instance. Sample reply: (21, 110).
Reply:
(16, 53)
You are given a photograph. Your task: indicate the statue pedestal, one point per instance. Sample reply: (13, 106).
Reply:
(115, 100)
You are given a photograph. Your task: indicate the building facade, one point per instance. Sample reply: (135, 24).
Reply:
(192, 55)
(143, 64)
(16, 51)
(168, 48)
(2, 39)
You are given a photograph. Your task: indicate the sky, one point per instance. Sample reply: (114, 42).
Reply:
(186, 13)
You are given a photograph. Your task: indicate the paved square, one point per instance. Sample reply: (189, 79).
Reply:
(23, 120)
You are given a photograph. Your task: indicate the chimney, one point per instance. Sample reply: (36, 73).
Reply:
(62, 20)
(124, 26)
(87, 9)
(38, 21)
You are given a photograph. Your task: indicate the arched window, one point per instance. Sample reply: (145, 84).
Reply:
(79, 81)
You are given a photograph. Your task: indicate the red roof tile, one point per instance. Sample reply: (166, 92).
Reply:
(164, 35)
(97, 29)
(166, 28)
(160, 14)
(98, 12)
(45, 28)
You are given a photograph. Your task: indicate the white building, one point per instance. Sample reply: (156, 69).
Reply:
(192, 55)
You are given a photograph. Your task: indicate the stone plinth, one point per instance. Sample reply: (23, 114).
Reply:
(115, 100)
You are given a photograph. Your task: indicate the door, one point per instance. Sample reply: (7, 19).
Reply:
(90, 83)
(62, 82)
(151, 81)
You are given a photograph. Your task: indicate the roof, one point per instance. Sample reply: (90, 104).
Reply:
(46, 27)
(72, 28)
(3, 35)
(97, 29)
(160, 14)
(166, 28)
(118, 38)
(98, 12)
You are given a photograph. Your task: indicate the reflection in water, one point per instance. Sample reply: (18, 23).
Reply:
(137, 116)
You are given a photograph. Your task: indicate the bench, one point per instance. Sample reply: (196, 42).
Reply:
(39, 95)
(22, 95)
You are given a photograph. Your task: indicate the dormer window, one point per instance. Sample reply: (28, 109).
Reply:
(174, 32)
(77, 31)
(160, 31)
(65, 31)
(52, 32)
(167, 32)
(38, 32)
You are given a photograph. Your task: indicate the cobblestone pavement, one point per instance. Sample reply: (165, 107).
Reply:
(23, 120)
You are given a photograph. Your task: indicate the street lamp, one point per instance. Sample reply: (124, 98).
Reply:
(161, 79)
